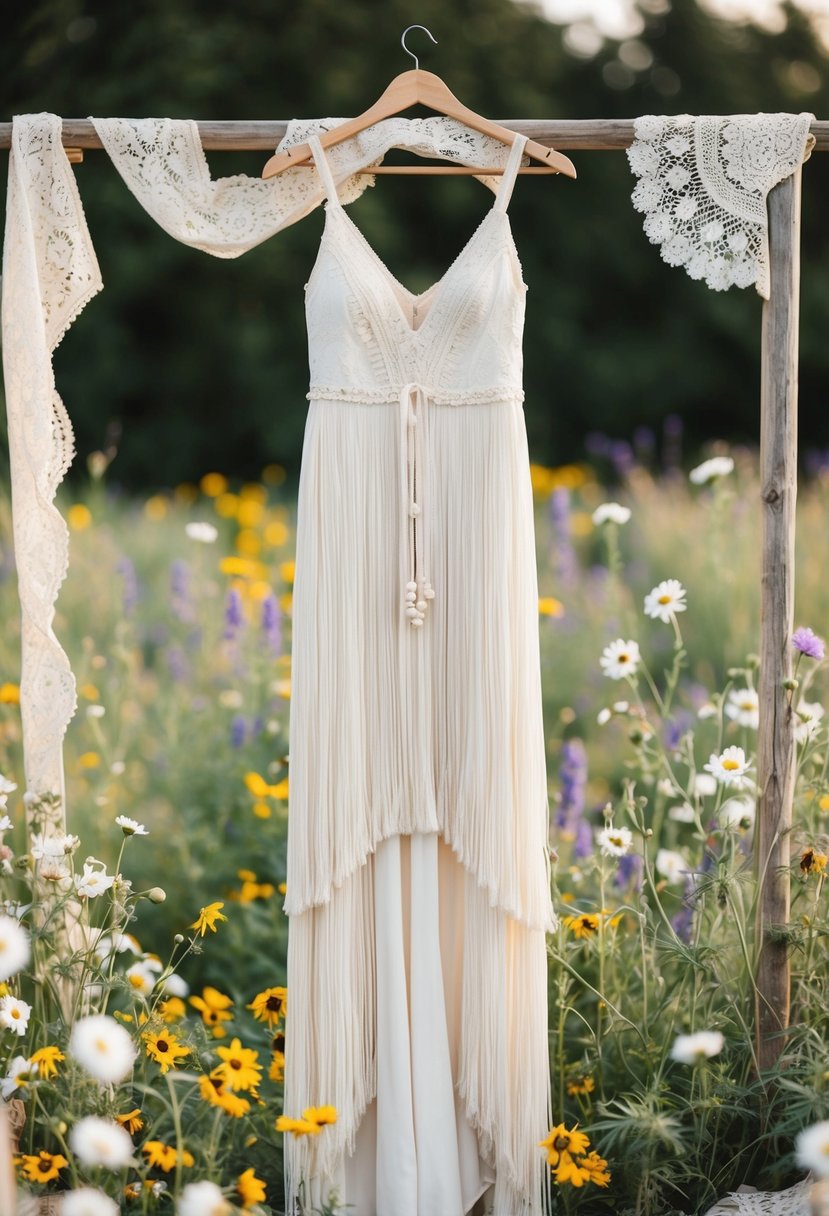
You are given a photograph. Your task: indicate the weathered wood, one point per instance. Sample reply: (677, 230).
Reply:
(596, 134)
(775, 743)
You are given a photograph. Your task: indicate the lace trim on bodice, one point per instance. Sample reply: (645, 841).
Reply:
(382, 396)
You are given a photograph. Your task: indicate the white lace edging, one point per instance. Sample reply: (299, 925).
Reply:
(703, 185)
(792, 1202)
(443, 396)
(49, 274)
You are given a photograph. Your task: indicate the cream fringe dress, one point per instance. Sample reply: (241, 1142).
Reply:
(418, 879)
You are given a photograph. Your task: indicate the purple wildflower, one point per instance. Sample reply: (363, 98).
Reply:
(621, 454)
(573, 775)
(177, 664)
(234, 617)
(179, 590)
(629, 871)
(583, 845)
(238, 731)
(683, 921)
(808, 643)
(130, 594)
(272, 623)
(564, 558)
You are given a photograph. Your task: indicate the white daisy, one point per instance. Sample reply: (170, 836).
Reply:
(201, 531)
(730, 767)
(620, 659)
(102, 1047)
(682, 813)
(56, 845)
(131, 827)
(93, 881)
(140, 978)
(737, 813)
(708, 710)
(704, 785)
(812, 1147)
(614, 842)
(665, 600)
(709, 470)
(671, 865)
(14, 1015)
(693, 1048)
(174, 985)
(103, 1142)
(20, 1071)
(808, 717)
(87, 1201)
(6, 787)
(14, 947)
(95, 711)
(604, 716)
(610, 512)
(743, 707)
(202, 1199)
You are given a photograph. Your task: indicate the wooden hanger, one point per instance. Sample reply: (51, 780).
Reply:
(413, 88)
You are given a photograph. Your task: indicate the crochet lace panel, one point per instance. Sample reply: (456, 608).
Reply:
(49, 273)
(792, 1202)
(703, 185)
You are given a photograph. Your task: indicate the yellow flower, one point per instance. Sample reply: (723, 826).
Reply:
(288, 570)
(47, 1060)
(261, 809)
(213, 484)
(248, 543)
(597, 1169)
(276, 534)
(812, 862)
(89, 692)
(239, 1067)
(297, 1127)
(45, 1167)
(9, 694)
(276, 1072)
(584, 925)
(207, 918)
(78, 517)
(320, 1114)
(548, 605)
(172, 1010)
(559, 1142)
(282, 888)
(258, 786)
(165, 1049)
(273, 474)
(214, 1008)
(823, 801)
(572, 1171)
(580, 1085)
(164, 1156)
(132, 1121)
(251, 889)
(214, 1090)
(89, 760)
(250, 512)
(155, 508)
(250, 1188)
(270, 1006)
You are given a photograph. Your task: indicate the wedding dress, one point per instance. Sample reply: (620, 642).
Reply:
(418, 872)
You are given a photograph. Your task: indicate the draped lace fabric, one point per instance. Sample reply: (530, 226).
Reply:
(49, 273)
(703, 185)
(748, 1202)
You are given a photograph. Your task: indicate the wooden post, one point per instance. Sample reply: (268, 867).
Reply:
(775, 744)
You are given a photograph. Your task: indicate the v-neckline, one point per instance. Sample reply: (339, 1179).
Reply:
(393, 282)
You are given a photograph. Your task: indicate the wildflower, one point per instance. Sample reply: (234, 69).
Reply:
(710, 470)
(130, 827)
(93, 881)
(562, 1144)
(808, 717)
(665, 600)
(812, 862)
(213, 1089)
(580, 1085)
(46, 1060)
(297, 1127)
(743, 707)
(14, 1014)
(808, 643)
(730, 767)
(596, 1168)
(14, 947)
(240, 1067)
(87, 1201)
(164, 1156)
(704, 785)
(165, 1049)
(44, 1167)
(207, 918)
(202, 1199)
(671, 865)
(612, 513)
(174, 985)
(737, 813)
(20, 1073)
(693, 1048)
(57, 845)
(141, 978)
(6, 787)
(683, 812)
(812, 1147)
(620, 659)
(214, 1008)
(172, 1010)
(132, 1121)
(270, 1006)
(102, 1047)
(584, 925)
(202, 532)
(103, 1142)
(572, 1171)
(250, 1189)
(276, 1072)
(614, 842)
(320, 1114)
(213, 484)
(9, 694)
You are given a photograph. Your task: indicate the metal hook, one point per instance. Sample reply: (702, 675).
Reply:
(406, 49)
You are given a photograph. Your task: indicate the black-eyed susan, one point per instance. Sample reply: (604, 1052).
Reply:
(320, 1114)
(164, 1156)
(215, 1008)
(214, 1089)
(47, 1060)
(270, 1006)
(596, 1167)
(132, 1120)
(585, 925)
(812, 862)
(207, 918)
(250, 1189)
(298, 1127)
(172, 1010)
(165, 1049)
(42, 1167)
(580, 1085)
(239, 1066)
(562, 1143)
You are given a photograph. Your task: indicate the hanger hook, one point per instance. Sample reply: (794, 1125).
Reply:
(406, 49)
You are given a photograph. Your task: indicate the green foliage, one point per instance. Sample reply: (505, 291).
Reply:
(192, 363)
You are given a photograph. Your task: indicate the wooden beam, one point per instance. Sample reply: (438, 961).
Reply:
(775, 743)
(594, 134)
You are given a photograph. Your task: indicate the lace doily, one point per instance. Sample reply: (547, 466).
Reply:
(49, 273)
(163, 163)
(793, 1202)
(703, 184)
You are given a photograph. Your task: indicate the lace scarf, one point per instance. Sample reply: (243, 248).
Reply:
(703, 185)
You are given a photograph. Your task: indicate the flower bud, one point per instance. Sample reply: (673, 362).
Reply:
(791, 685)
(157, 895)
(178, 939)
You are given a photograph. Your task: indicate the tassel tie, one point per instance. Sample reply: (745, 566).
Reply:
(414, 429)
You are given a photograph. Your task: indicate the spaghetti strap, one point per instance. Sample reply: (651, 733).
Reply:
(510, 173)
(324, 169)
